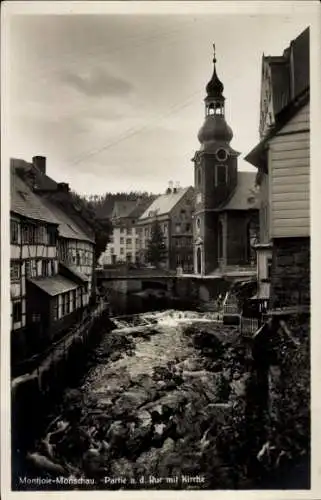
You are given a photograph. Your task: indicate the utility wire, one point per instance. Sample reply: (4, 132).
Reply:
(136, 130)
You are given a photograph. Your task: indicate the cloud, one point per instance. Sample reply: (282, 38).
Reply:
(97, 83)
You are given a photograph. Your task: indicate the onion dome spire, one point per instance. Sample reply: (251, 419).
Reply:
(215, 129)
(215, 87)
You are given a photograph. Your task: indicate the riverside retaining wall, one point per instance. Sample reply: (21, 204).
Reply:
(34, 394)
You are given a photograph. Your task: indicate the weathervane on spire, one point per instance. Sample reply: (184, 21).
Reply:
(214, 60)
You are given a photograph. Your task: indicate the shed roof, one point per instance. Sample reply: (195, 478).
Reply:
(54, 285)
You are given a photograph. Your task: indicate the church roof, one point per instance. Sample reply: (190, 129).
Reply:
(215, 87)
(165, 203)
(245, 196)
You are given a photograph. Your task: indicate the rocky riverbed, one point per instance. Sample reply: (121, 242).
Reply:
(162, 407)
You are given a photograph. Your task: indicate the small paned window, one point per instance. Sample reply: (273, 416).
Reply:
(14, 231)
(15, 271)
(269, 268)
(16, 311)
(67, 299)
(45, 268)
(52, 236)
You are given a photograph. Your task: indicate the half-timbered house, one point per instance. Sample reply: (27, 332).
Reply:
(52, 260)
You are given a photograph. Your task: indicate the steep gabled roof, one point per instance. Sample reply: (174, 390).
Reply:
(67, 228)
(36, 204)
(301, 62)
(141, 207)
(290, 73)
(26, 203)
(291, 90)
(257, 155)
(165, 203)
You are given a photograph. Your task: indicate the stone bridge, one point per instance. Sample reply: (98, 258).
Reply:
(112, 274)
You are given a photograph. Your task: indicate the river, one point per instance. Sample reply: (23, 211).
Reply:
(162, 406)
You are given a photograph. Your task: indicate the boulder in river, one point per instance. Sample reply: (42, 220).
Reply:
(147, 462)
(122, 468)
(130, 400)
(117, 434)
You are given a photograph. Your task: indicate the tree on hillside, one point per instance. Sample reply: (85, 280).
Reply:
(102, 229)
(156, 249)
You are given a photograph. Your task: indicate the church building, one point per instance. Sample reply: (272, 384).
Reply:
(226, 204)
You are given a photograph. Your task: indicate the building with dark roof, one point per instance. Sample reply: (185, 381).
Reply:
(226, 204)
(124, 243)
(284, 78)
(282, 159)
(52, 260)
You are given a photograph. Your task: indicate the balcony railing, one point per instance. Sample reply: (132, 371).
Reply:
(253, 315)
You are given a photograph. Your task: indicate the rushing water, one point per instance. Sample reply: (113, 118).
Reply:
(147, 405)
(166, 344)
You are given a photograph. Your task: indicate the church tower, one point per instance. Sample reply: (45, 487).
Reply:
(215, 166)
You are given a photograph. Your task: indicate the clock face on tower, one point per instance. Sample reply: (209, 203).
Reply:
(221, 154)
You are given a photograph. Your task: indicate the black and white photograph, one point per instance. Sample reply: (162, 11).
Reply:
(156, 222)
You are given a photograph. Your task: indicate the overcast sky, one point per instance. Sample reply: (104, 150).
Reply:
(115, 101)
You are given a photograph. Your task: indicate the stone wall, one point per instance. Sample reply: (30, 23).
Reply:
(290, 281)
(200, 291)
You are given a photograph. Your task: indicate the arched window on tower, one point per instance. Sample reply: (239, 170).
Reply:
(211, 109)
(220, 242)
(199, 260)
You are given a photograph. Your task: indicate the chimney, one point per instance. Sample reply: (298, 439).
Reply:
(63, 187)
(40, 163)
(176, 188)
(169, 190)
